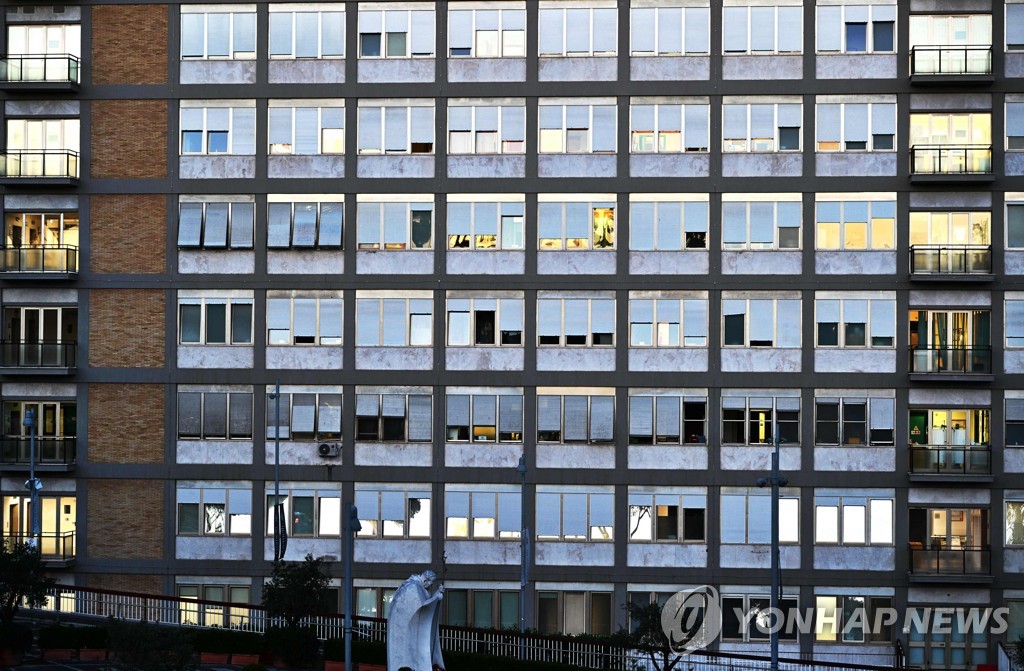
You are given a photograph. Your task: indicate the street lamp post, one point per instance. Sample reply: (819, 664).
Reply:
(776, 481)
(351, 528)
(279, 542)
(524, 539)
(33, 485)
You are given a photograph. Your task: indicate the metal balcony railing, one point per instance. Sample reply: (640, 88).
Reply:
(52, 546)
(950, 561)
(945, 460)
(46, 259)
(951, 360)
(39, 163)
(49, 450)
(52, 68)
(941, 159)
(951, 60)
(950, 259)
(38, 354)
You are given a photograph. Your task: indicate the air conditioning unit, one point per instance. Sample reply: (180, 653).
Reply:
(329, 450)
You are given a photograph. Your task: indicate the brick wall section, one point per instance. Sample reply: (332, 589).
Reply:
(129, 44)
(125, 519)
(129, 139)
(112, 250)
(122, 582)
(126, 328)
(120, 436)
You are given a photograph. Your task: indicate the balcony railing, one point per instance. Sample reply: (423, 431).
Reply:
(950, 561)
(951, 60)
(38, 354)
(950, 259)
(46, 259)
(959, 159)
(945, 460)
(49, 450)
(39, 163)
(950, 360)
(52, 546)
(49, 68)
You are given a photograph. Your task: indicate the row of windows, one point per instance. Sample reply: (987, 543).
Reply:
(579, 126)
(319, 31)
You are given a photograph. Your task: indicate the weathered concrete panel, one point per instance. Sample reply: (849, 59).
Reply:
(923, 199)
(669, 165)
(869, 66)
(669, 263)
(670, 68)
(307, 262)
(1013, 561)
(956, 398)
(306, 71)
(758, 556)
(497, 166)
(45, 15)
(560, 358)
(63, 108)
(486, 70)
(1013, 460)
(1013, 263)
(1014, 163)
(394, 454)
(485, 263)
(395, 262)
(855, 459)
(871, 164)
(945, 595)
(928, 496)
(17, 295)
(217, 72)
(655, 359)
(476, 455)
(306, 167)
(855, 263)
(217, 167)
(572, 455)
(841, 653)
(764, 262)
(299, 453)
(574, 554)
(590, 69)
(52, 390)
(674, 457)
(1014, 65)
(762, 165)
(483, 358)
(849, 558)
(213, 547)
(390, 551)
(768, 359)
(300, 547)
(500, 553)
(754, 457)
(14, 201)
(854, 361)
(950, 298)
(394, 358)
(403, 70)
(951, 101)
(389, 167)
(950, 5)
(212, 356)
(304, 358)
(1013, 360)
(583, 262)
(576, 165)
(227, 262)
(756, 68)
(214, 452)
(667, 555)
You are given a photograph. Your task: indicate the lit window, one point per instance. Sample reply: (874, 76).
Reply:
(485, 225)
(205, 509)
(392, 511)
(855, 225)
(575, 225)
(745, 516)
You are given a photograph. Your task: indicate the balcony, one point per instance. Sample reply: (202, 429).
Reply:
(52, 454)
(951, 163)
(39, 167)
(964, 463)
(951, 363)
(972, 263)
(21, 357)
(59, 262)
(951, 65)
(942, 564)
(57, 550)
(52, 72)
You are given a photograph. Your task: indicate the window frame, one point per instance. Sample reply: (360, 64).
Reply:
(683, 332)
(748, 49)
(244, 231)
(383, 34)
(870, 21)
(591, 337)
(871, 123)
(590, 429)
(502, 240)
(471, 432)
(842, 326)
(685, 437)
(320, 12)
(684, 133)
(653, 502)
(545, 128)
(502, 31)
(201, 503)
(502, 304)
(476, 498)
(318, 226)
(288, 494)
(873, 421)
(291, 148)
(231, 397)
(592, 535)
(376, 528)
(771, 423)
(749, 143)
(777, 328)
(413, 147)
(840, 506)
(841, 232)
(592, 243)
(760, 500)
(564, 51)
(319, 340)
(232, 37)
(685, 17)
(699, 232)
(234, 145)
(229, 320)
(503, 146)
(748, 244)
(844, 627)
(410, 314)
(361, 433)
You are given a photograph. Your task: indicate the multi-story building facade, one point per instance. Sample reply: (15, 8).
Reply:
(626, 241)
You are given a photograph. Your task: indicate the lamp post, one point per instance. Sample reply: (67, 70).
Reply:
(524, 567)
(775, 481)
(351, 527)
(280, 543)
(32, 484)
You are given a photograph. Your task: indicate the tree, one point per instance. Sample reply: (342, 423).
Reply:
(648, 635)
(295, 590)
(1016, 653)
(22, 578)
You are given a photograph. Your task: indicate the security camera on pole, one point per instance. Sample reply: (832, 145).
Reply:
(33, 484)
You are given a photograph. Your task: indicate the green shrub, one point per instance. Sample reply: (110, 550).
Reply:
(138, 646)
(16, 637)
(58, 636)
(297, 646)
(96, 638)
(220, 640)
(254, 667)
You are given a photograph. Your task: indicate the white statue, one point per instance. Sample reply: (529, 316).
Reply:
(414, 640)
